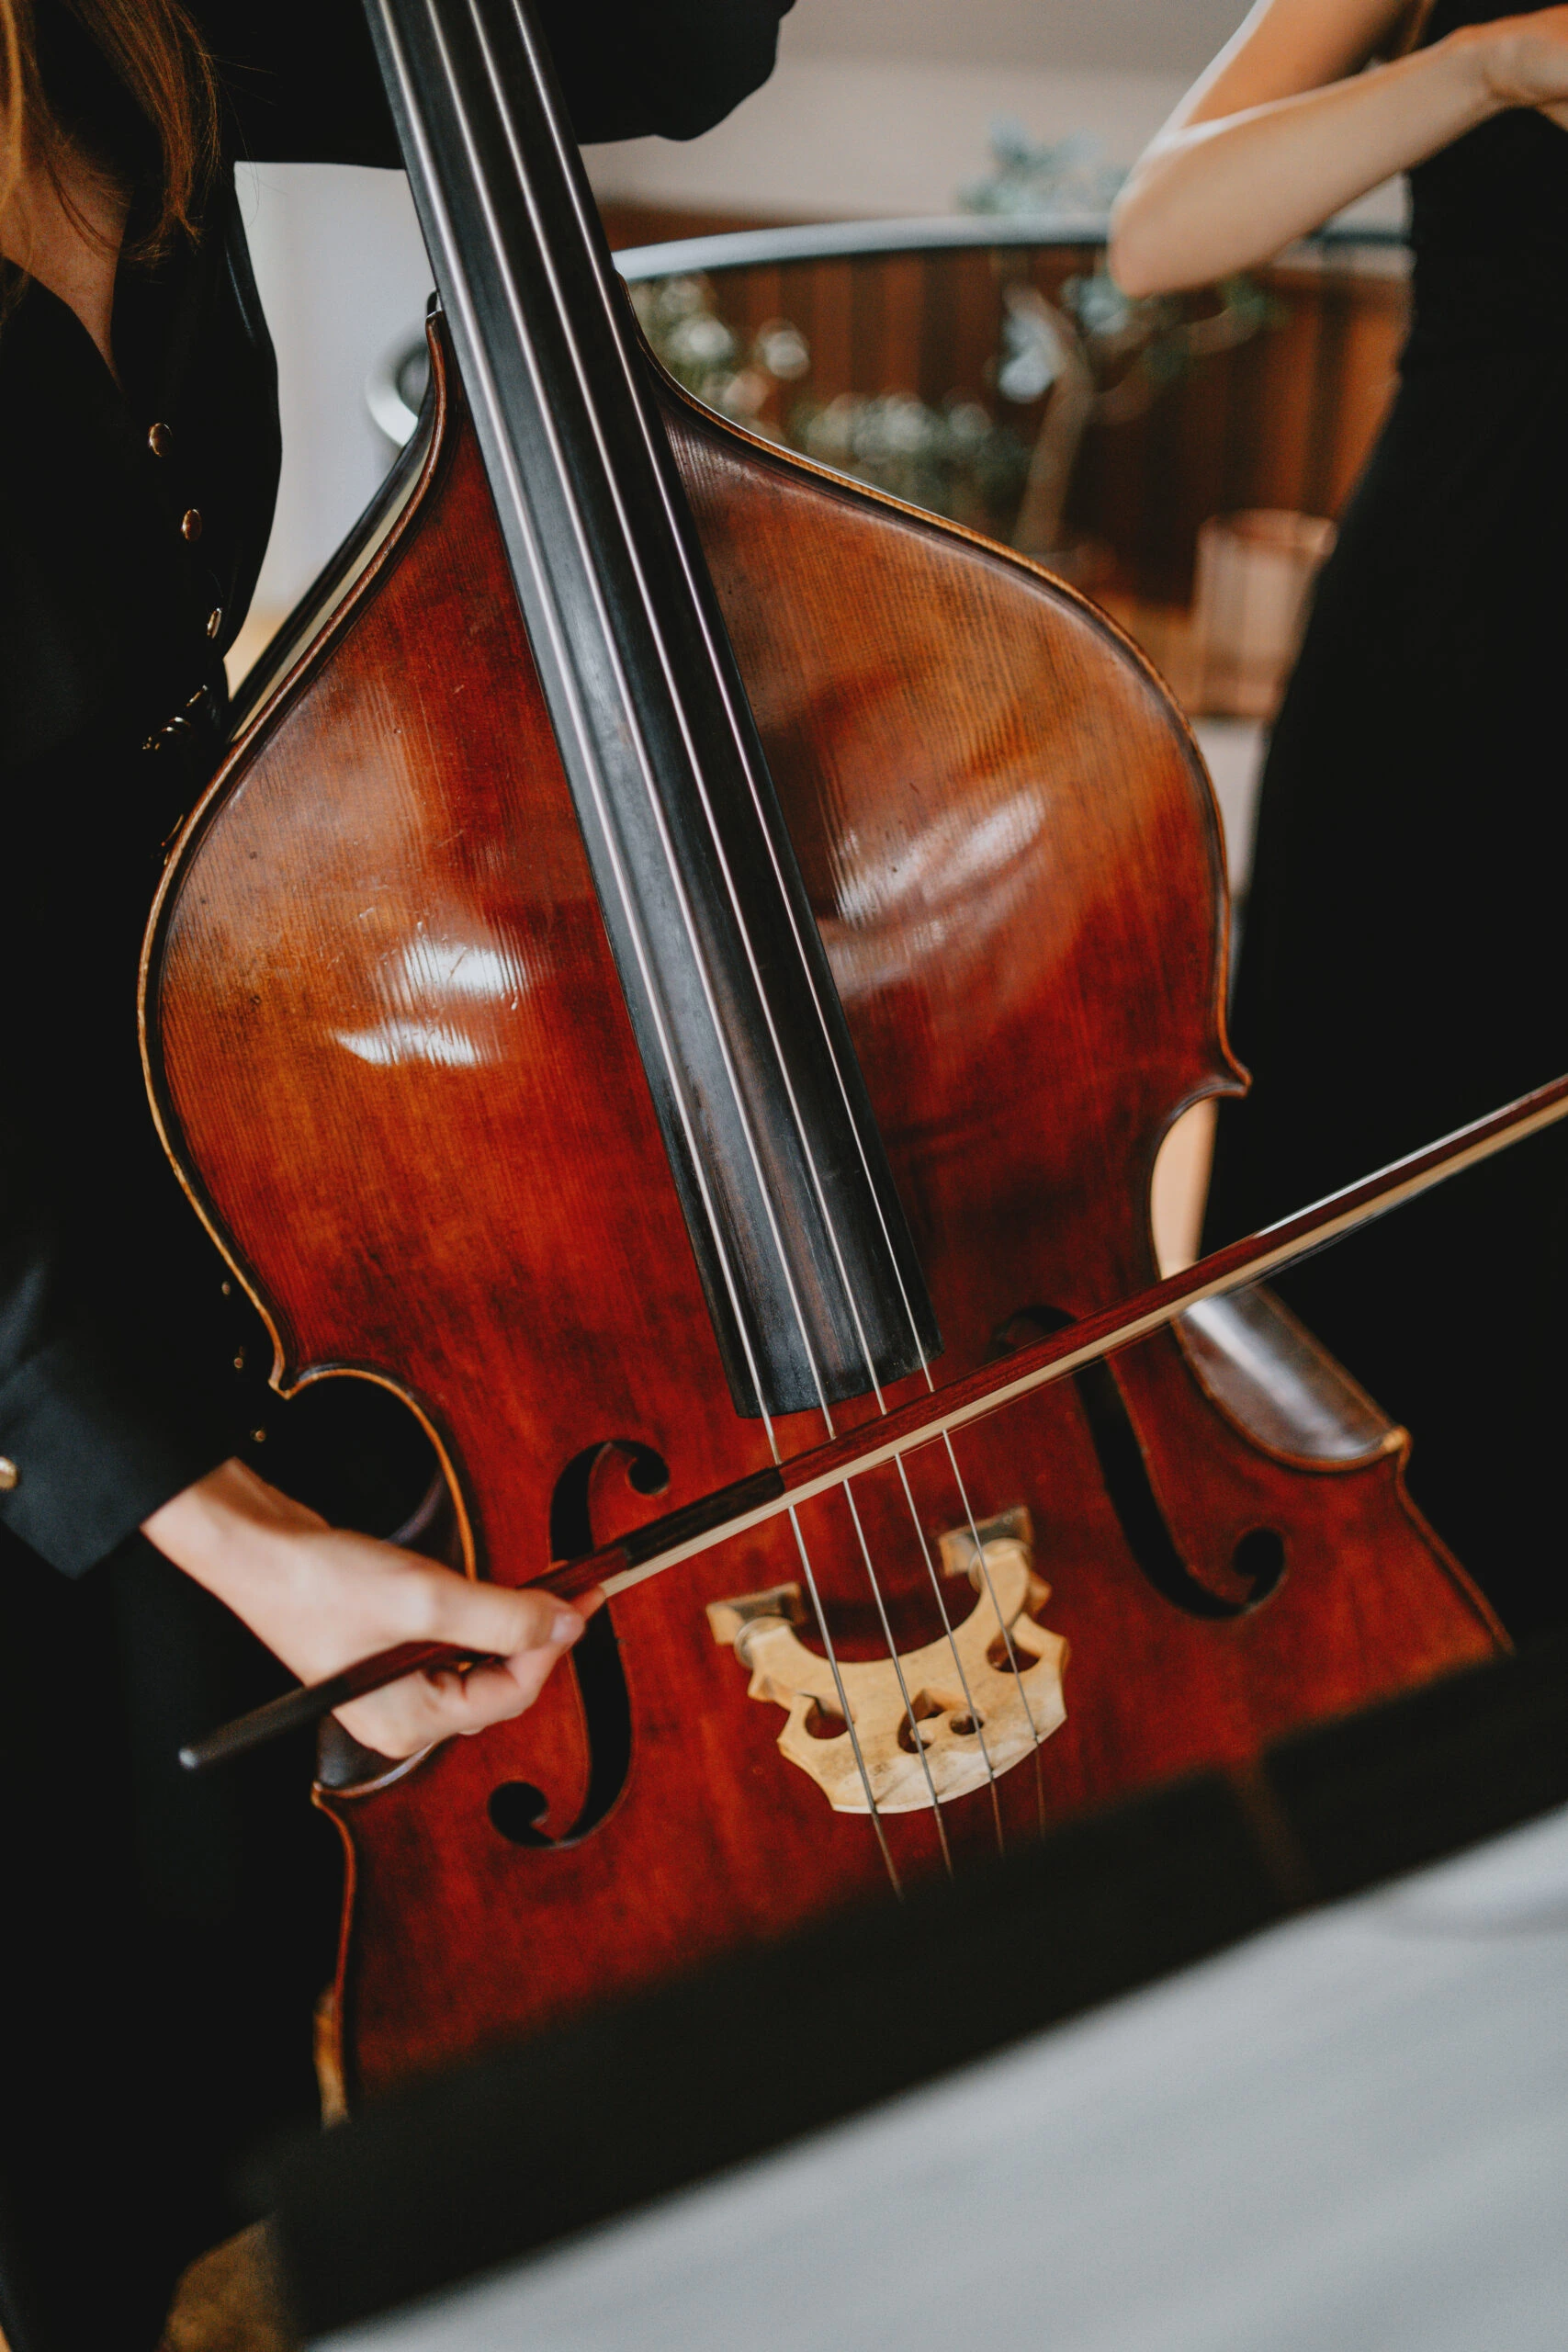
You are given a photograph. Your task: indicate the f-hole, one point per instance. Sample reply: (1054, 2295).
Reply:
(517, 1807)
(1259, 1558)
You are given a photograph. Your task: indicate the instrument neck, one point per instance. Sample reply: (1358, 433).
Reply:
(812, 1282)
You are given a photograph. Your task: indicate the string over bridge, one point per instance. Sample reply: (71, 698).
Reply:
(990, 1691)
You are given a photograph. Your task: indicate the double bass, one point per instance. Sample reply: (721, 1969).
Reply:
(686, 959)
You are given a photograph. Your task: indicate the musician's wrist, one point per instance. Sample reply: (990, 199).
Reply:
(230, 1529)
(1505, 63)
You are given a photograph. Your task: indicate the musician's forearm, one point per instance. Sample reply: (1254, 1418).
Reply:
(1212, 197)
(225, 1531)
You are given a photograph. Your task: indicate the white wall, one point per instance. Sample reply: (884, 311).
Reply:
(884, 106)
(341, 266)
(843, 137)
(1174, 36)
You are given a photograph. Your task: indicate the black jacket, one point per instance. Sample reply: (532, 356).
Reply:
(116, 1338)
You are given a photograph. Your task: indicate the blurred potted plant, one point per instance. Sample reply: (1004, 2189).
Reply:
(951, 460)
(1095, 355)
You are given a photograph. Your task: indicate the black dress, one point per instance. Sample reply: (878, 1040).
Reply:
(1404, 964)
(161, 1940)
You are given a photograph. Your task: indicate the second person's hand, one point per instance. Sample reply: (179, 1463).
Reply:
(1525, 60)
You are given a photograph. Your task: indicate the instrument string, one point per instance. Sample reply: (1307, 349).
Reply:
(974, 1715)
(1014, 1668)
(916, 1735)
(644, 765)
(635, 933)
(741, 740)
(672, 859)
(644, 760)
(580, 728)
(874, 1808)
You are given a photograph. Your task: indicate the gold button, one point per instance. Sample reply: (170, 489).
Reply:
(239, 1360)
(158, 439)
(9, 1474)
(215, 620)
(190, 524)
(258, 1437)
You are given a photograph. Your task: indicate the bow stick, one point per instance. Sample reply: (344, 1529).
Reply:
(748, 1502)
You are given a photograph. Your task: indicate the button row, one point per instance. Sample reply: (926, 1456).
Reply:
(160, 440)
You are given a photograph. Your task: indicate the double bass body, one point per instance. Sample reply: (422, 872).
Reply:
(391, 1057)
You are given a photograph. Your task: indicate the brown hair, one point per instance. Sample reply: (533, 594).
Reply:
(147, 110)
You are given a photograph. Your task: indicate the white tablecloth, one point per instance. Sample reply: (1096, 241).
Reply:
(1348, 2135)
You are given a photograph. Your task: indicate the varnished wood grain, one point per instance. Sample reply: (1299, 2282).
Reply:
(390, 1051)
